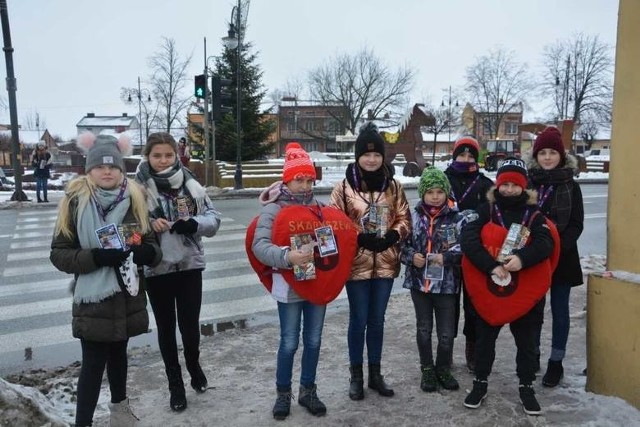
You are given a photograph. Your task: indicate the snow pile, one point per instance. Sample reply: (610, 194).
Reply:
(22, 406)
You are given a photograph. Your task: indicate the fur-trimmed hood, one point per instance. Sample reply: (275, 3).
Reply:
(532, 200)
(571, 162)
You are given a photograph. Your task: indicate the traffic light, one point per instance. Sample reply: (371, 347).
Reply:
(220, 97)
(200, 86)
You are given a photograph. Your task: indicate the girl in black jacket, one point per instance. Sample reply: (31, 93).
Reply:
(551, 173)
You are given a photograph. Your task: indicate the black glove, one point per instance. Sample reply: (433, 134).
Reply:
(367, 241)
(143, 254)
(109, 257)
(389, 239)
(181, 226)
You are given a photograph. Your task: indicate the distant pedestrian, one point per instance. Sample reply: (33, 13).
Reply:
(551, 173)
(41, 162)
(432, 256)
(184, 153)
(377, 204)
(497, 296)
(181, 215)
(469, 189)
(106, 313)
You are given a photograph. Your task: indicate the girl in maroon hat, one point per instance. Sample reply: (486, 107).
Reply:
(551, 172)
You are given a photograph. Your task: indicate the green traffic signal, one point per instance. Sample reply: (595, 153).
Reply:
(200, 85)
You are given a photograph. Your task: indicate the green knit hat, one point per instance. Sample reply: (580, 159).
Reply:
(433, 178)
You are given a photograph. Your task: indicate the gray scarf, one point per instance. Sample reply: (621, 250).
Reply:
(169, 181)
(102, 283)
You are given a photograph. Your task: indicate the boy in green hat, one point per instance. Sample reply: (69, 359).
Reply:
(432, 257)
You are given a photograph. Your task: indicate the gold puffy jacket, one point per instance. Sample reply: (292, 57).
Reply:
(368, 264)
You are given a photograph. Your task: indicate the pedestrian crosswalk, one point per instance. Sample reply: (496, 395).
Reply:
(35, 303)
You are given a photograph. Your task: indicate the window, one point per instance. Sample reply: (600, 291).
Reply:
(309, 126)
(511, 128)
(486, 126)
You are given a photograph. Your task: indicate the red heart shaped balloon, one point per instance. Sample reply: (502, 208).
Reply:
(332, 272)
(499, 305)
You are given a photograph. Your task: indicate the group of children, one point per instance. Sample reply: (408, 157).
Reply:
(461, 218)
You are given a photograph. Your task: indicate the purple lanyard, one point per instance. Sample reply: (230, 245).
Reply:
(104, 212)
(499, 215)
(466, 191)
(317, 211)
(543, 194)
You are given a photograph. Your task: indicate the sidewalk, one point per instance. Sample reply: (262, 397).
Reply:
(240, 366)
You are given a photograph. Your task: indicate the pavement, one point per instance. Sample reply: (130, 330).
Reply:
(240, 366)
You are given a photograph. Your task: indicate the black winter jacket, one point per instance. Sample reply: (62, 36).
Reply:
(540, 248)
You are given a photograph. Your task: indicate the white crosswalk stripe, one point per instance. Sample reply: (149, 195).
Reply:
(35, 304)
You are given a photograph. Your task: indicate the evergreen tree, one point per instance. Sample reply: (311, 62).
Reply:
(254, 128)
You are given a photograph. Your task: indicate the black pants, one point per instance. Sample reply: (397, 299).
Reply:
(524, 332)
(178, 294)
(470, 315)
(95, 355)
(443, 308)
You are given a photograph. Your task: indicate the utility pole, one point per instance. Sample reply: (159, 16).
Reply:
(18, 194)
(205, 121)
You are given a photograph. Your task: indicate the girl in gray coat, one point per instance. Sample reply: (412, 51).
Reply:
(296, 187)
(105, 312)
(181, 213)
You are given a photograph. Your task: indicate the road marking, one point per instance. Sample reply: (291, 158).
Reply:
(593, 196)
(595, 216)
(61, 305)
(241, 308)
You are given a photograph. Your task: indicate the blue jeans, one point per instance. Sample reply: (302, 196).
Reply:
(367, 305)
(443, 306)
(291, 314)
(41, 185)
(560, 320)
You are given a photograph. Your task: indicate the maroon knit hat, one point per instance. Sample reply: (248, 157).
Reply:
(550, 137)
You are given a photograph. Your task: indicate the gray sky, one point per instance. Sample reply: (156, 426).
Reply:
(73, 56)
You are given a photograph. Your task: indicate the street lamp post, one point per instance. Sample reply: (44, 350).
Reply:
(234, 40)
(138, 94)
(447, 122)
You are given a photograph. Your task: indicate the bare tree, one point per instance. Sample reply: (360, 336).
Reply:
(168, 82)
(579, 78)
(497, 84)
(33, 121)
(362, 84)
(447, 119)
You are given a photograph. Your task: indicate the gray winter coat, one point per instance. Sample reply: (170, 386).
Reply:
(183, 252)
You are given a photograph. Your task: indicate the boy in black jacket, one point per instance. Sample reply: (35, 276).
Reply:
(508, 203)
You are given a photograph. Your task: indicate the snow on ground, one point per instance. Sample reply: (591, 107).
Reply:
(240, 366)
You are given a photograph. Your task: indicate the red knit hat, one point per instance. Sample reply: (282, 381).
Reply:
(512, 170)
(550, 137)
(466, 144)
(297, 163)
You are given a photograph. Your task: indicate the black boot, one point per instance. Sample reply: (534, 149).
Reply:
(308, 398)
(376, 382)
(38, 197)
(477, 395)
(198, 380)
(356, 383)
(178, 398)
(554, 373)
(282, 406)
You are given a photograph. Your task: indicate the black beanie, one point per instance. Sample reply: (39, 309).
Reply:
(369, 139)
